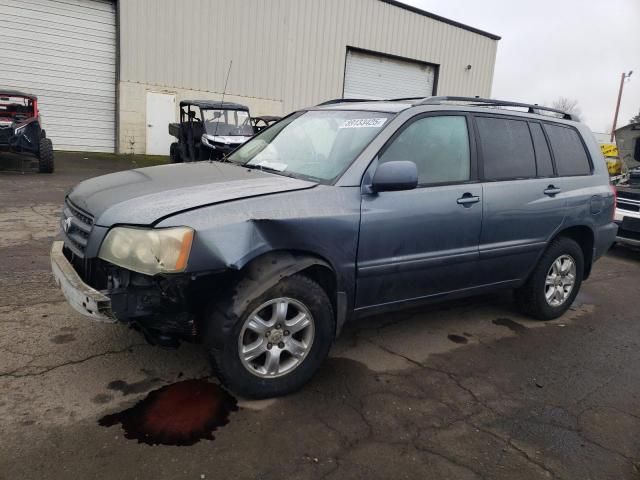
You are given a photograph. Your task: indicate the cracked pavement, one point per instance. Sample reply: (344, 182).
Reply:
(462, 390)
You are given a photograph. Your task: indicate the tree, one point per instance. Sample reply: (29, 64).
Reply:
(568, 105)
(635, 119)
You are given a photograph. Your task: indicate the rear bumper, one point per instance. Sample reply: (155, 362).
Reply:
(82, 298)
(605, 236)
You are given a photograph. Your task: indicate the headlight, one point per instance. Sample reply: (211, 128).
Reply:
(148, 251)
(20, 130)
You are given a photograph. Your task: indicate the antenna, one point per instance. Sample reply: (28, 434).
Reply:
(223, 94)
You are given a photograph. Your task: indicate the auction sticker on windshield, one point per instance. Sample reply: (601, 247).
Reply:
(364, 123)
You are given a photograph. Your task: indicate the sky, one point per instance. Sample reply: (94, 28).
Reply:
(559, 48)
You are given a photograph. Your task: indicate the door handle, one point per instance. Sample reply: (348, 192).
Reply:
(467, 200)
(552, 190)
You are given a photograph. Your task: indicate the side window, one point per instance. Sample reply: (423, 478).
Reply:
(568, 151)
(543, 156)
(507, 151)
(439, 146)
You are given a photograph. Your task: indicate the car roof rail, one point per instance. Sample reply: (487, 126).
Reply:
(489, 102)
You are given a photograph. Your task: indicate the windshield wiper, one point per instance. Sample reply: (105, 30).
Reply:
(264, 168)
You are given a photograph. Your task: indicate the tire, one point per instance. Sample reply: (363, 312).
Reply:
(174, 153)
(45, 156)
(225, 331)
(531, 298)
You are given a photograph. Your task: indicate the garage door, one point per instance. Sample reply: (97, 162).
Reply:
(377, 77)
(64, 51)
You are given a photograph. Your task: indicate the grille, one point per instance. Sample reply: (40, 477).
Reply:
(628, 204)
(76, 226)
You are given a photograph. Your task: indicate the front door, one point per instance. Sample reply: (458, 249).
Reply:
(423, 242)
(161, 111)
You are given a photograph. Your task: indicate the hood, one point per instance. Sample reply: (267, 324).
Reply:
(144, 196)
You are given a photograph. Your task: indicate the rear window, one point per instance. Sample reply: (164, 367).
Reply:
(568, 151)
(543, 156)
(507, 151)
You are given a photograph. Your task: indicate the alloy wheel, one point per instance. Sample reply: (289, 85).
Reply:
(560, 280)
(276, 337)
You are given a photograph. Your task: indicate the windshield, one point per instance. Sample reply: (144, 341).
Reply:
(227, 123)
(319, 144)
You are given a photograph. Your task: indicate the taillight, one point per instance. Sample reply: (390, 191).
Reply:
(615, 200)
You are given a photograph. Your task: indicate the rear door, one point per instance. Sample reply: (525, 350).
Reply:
(523, 205)
(423, 242)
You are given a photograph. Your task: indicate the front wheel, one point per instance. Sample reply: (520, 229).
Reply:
(45, 156)
(277, 343)
(174, 153)
(555, 282)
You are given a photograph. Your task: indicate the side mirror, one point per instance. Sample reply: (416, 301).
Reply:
(395, 176)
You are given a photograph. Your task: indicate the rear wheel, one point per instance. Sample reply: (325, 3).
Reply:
(45, 156)
(174, 153)
(555, 282)
(278, 341)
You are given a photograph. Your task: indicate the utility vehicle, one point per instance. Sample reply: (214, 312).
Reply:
(21, 129)
(209, 130)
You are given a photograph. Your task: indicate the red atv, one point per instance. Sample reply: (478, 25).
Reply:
(21, 128)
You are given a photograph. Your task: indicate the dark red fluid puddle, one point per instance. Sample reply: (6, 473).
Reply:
(179, 414)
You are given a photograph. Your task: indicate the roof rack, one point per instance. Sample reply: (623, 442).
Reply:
(489, 102)
(472, 101)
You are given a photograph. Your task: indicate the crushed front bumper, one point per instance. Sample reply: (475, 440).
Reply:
(83, 298)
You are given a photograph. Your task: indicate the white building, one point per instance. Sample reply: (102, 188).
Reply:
(107, 72)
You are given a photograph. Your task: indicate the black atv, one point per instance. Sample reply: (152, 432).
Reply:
(209, 130)
(21, 128)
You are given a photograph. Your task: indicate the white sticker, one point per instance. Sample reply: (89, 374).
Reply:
(364, 123)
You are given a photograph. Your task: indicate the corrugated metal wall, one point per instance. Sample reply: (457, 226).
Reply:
(64, 51)
(292, 51)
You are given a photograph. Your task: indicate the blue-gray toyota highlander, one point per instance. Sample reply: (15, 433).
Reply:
(341, 210)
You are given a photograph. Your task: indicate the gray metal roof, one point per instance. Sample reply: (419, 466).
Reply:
(448, 21)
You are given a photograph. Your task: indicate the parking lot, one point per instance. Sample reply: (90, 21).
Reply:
(461, 390)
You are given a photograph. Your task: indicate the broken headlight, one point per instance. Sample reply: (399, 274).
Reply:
(148, 251)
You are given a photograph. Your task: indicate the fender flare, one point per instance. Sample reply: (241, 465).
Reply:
(264, 272)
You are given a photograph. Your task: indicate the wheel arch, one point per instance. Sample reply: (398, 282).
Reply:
(585, 238)
(264, 271)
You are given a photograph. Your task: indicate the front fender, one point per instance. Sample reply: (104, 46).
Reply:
(265, 272)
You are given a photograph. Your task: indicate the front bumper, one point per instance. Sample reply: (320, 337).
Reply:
(628, 227)
(83, 298)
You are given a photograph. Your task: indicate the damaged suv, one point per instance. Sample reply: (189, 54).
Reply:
(335, 212)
